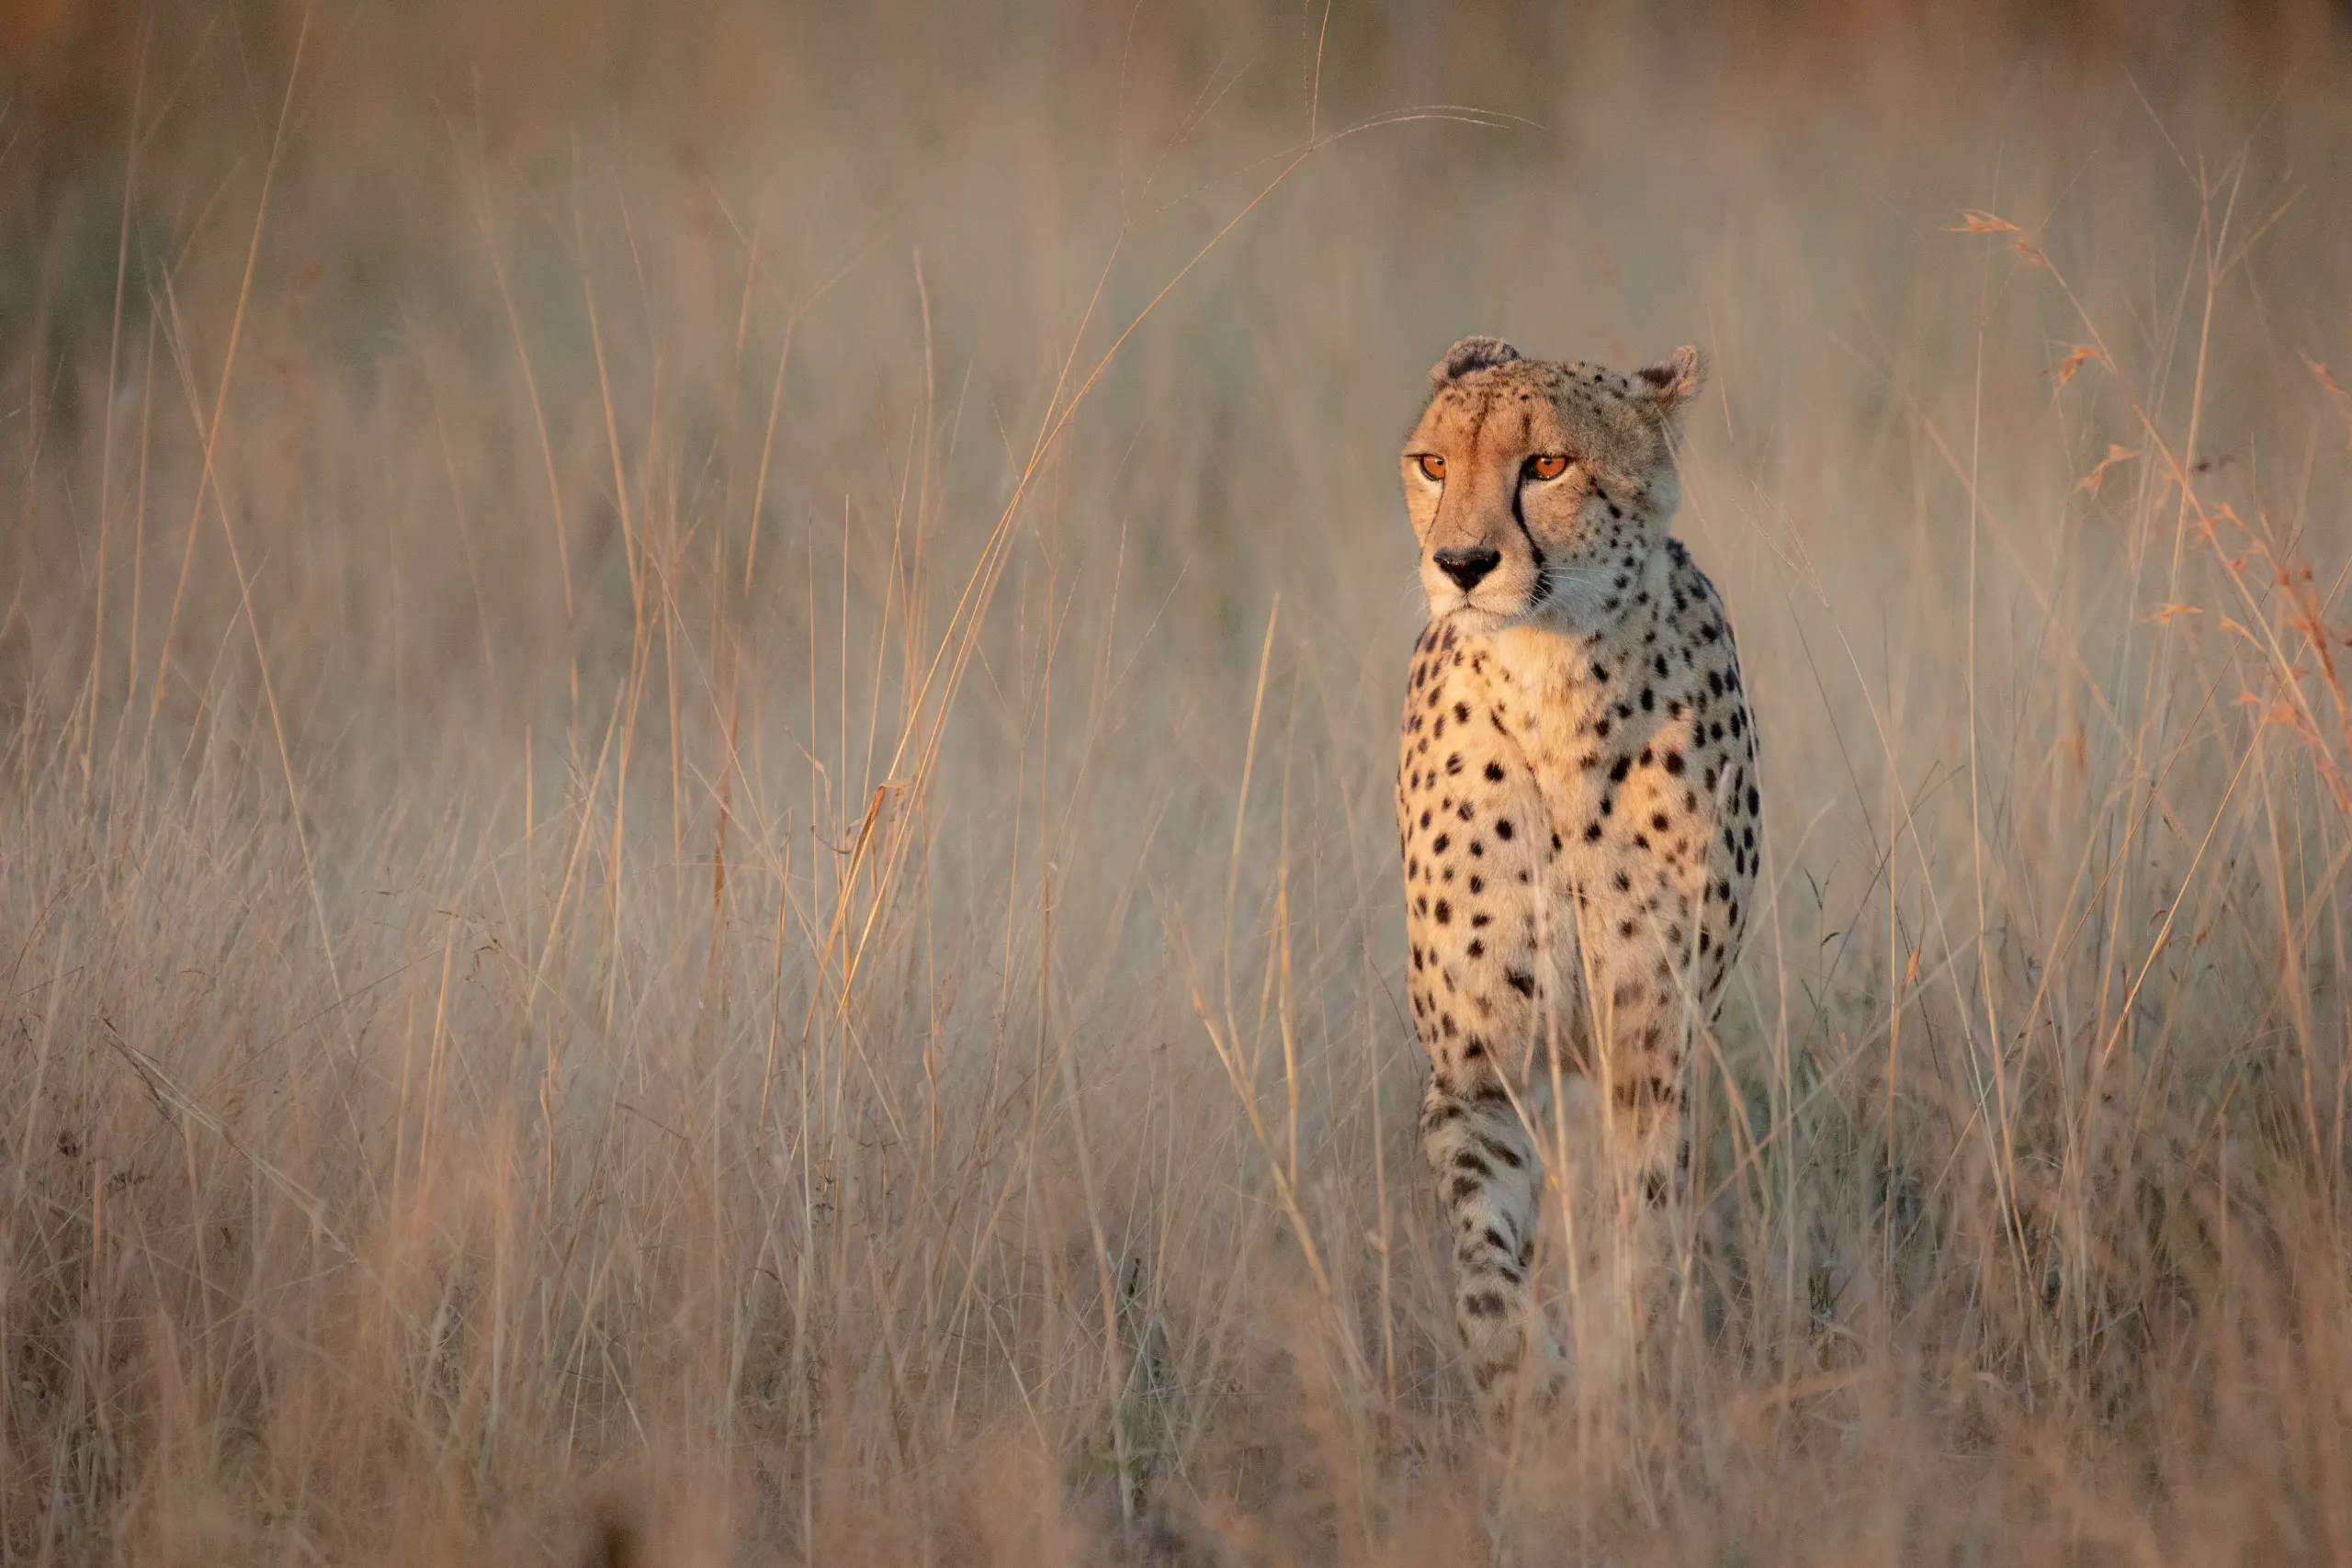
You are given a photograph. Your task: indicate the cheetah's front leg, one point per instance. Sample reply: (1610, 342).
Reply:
(1487, 1176)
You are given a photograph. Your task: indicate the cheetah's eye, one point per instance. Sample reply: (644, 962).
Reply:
(1433, 467)
(1546, 467)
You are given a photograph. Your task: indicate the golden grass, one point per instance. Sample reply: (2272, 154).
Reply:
(696, 861)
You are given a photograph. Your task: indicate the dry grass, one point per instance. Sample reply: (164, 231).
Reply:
(694, 869)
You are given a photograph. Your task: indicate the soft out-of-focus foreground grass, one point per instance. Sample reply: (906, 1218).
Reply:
(692, 863)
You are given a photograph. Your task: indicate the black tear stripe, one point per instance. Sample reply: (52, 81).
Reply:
(1541, 589)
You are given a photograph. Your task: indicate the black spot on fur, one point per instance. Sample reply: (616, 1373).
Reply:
(1499, 1152)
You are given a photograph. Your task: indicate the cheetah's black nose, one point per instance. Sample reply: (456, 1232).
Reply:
(1467, 567)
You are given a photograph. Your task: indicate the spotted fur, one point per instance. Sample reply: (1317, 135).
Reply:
(1580, 815)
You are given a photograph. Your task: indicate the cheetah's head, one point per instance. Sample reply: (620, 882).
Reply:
(1539, 488)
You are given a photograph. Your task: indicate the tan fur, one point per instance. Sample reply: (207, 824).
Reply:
(1580, 813)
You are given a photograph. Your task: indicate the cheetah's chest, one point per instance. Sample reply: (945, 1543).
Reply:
(1490, 952)
(1579, 820)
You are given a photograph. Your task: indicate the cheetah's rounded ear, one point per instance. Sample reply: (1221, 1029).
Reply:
(1472, 354)
(1669, 386)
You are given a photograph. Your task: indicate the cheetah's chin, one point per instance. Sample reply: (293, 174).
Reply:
(1475, 619)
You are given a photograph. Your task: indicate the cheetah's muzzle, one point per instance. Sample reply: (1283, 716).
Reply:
(1467, 567)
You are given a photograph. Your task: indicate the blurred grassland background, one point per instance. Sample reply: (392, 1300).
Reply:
(694, 869)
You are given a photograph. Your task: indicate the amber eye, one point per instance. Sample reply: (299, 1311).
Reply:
(1432, 467)
(1546, 467)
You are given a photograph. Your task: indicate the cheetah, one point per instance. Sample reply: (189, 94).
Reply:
(1579, 810)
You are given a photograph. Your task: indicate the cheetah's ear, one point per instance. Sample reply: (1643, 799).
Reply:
(1472, 354)
(1668, 386)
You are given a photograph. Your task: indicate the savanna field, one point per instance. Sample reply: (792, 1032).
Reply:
(697, 717)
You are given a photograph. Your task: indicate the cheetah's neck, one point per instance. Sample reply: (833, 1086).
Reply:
(1550, 659)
